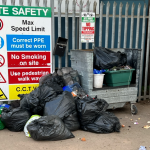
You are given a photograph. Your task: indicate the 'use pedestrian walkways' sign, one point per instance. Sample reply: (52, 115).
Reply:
(25, 49)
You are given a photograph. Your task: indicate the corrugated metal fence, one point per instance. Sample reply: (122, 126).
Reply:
(76, 30)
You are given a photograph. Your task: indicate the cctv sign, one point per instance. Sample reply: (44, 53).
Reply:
(25, 49)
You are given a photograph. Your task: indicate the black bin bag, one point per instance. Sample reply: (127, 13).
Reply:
(89, 108)
(36, 100)
(94, 118)
(53, 80)
(72, 122)
(68, 79)
(106, 122)
(66, 70)
(15, 119)
(106, 59)
(64, 107)
(49, 128)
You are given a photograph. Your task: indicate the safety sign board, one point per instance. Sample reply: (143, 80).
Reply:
(2, 95)
(1, 24)
(29, 59)
(2, 79)
(2, 60)
(88, 27)
(14, 90)
(1, 42)
(28, 42)
(25, 48)
(31, 75)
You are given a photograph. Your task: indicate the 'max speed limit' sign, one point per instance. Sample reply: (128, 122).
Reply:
(25, 49)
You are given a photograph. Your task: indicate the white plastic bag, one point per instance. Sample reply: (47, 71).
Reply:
(33, 117)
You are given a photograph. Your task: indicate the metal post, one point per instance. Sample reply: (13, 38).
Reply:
(34, 3)
(94, 10)
(59, 30)
(142, 53)
(53, 34)
(126, 25)
(66, 32)
(113, 25)
(26, 3)
(9, 2)
(41, 3)
(73, 23)
(147, 57)
(137, 26)
(87, 10)
(101, 23)
(119, 24)
(132, 24)
(107, 24)
(80, 21)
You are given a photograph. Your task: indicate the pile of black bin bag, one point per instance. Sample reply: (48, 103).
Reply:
(60, 112)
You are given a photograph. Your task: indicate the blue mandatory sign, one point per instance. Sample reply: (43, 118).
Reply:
(1, 42)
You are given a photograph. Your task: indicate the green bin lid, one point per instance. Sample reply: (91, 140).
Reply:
(119, 71)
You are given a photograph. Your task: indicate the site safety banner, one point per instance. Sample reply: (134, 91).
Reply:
(25, 49)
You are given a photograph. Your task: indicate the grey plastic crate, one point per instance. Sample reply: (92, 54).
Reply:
(82, 61)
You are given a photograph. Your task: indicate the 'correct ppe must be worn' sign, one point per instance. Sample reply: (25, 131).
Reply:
(25, 49)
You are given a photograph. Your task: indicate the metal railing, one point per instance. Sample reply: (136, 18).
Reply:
(113, 34)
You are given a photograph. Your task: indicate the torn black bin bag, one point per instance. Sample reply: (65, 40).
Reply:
(36, 100)
(51, 79)
(15, 119)
(68, 79)
(43, 79)
(106, 59)
(66, 70)
(75, 76)
(89, 108)
(62, 105)
(49, 128)
(106, 122)
(71, 78)
(72, 122)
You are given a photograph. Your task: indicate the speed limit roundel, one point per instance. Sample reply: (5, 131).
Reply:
(1, 24)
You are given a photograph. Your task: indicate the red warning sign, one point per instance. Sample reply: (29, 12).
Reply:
(30, 75)
(1, 24)
(29, 59)
(2, 60)
(2, 79)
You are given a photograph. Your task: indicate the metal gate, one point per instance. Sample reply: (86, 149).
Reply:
(133, 19)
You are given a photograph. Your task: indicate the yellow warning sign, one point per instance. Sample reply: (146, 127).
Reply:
(2, 95)
(14, 90)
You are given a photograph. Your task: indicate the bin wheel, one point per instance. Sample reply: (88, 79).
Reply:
(134, 110)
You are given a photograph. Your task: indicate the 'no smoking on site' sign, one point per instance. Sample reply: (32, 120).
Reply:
(1, 24)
